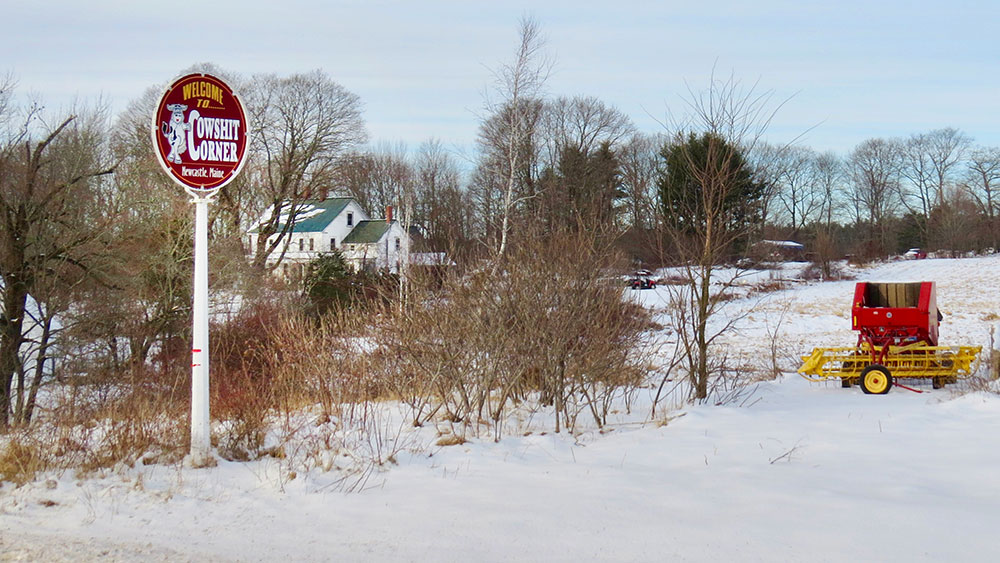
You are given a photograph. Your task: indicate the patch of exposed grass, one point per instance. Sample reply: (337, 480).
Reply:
(20, 461)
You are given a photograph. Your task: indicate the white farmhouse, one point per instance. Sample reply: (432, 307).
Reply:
(340, 223)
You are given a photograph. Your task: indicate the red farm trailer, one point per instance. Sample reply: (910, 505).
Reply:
(897, 326)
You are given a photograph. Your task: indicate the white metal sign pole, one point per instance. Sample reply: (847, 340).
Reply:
(201, 444)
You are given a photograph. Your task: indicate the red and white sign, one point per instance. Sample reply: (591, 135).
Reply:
(200, 133)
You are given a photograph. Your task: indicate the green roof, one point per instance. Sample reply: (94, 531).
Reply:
(315, 214)
(311, 222)
(367, 231)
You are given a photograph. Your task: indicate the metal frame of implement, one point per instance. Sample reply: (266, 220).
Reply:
(913, 361)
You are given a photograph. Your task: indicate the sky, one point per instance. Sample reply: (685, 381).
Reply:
(838, 73)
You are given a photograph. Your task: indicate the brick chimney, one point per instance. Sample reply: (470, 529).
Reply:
(388, 214)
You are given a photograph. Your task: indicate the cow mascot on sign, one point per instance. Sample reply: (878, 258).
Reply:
(175, 132)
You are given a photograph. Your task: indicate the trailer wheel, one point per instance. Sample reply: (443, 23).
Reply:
(876, 380)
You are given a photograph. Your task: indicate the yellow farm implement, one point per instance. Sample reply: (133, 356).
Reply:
(854, 365)
(898, 336)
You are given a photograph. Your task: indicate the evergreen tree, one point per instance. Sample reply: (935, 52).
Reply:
(582, 190)
(328, 283)
(689, 185)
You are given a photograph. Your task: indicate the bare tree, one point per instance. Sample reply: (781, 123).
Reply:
(710, 206)
(50, 180)
(493, 173)
(765, 163)
(797, 189)
(639, 163)
(583, 123)
(486, 193)
(354, 175)
(875, 174)
(927, 166)
(377, 177)
(7, 86)
(517, 85)
(457, 221)
(983, 184)
(918, 191)
(946, 148)
(954, 219)
(437, 180)
(529, 339)
(299, 127)
(828, 174)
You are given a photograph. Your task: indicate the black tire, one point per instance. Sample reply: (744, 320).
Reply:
(845, 383)
(876, 380)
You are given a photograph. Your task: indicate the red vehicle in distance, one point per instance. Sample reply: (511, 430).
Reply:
(642, 279)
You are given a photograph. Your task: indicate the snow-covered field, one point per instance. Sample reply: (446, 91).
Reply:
(809, 472)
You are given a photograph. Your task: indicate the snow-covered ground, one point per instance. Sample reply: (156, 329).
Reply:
(809, 472)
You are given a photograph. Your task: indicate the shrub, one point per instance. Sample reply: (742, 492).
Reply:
(330, 285)
(243, 354)
(545, 325)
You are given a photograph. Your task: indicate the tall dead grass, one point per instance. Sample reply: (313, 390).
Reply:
(87, 426)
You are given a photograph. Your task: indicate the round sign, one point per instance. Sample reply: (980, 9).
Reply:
(200, 133)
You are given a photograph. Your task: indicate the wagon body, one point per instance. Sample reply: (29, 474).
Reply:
(895, 313)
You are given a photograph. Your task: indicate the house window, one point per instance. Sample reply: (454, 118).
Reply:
(311, 241)
(333, 244)
(302, 244)
(397, 244)
(350, 219)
